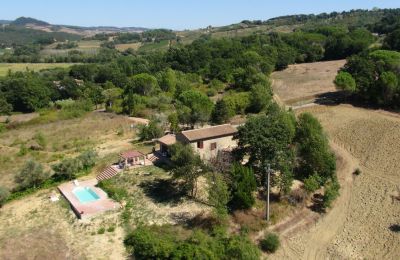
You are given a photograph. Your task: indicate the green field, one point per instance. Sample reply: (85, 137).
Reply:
(4, 67)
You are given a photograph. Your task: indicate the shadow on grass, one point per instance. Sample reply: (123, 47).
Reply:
(163, 191)
(395, 228)
(201, 221)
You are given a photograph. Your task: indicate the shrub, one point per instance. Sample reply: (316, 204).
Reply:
(270, 243)
(312, 183)
(240, 247)
(111, 229)
(31, 175)
(22, 150)
(40, 139)
(4, 194)
(101, 230)
(87, 159)
(357, 171)
(150, 131)
(146, 243)
(331, 193)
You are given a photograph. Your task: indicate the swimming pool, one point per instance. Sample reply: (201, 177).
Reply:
(85, 194)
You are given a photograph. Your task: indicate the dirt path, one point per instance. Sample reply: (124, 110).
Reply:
(326, 229)
(314, 242)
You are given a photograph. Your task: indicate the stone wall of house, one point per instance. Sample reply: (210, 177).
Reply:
(221, 143)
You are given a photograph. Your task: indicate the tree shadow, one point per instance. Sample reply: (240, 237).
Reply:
(395, 228)
(318, 203)
(163, 191)
(201, 221)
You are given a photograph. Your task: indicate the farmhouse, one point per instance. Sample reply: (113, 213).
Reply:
(207, 142)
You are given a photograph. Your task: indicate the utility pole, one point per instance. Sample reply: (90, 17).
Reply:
(267, 184)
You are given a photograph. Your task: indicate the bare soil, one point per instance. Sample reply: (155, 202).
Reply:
(305, 81)
(360, 224)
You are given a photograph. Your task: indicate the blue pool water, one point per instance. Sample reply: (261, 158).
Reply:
(85, 194)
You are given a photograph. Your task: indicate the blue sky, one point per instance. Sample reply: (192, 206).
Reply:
(174, 14)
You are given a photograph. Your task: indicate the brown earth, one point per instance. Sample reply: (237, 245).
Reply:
(360, 224)
(302, 82)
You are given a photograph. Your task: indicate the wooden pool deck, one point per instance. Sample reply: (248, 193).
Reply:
(89, 209)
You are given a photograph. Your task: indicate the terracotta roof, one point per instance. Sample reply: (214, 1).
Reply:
(209, 132)
(131, 154)
(169, 139)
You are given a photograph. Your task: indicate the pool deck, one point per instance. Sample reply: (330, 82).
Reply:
(89, 209)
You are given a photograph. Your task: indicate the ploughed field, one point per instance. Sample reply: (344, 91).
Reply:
(364, 221)
(301, 83)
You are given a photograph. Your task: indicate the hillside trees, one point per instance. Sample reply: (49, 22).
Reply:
(194, 107)
(243, 186)
(376, 76)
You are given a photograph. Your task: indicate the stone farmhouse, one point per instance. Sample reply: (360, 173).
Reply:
(208, 142)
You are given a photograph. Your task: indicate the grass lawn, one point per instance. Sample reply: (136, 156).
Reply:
(4, 67)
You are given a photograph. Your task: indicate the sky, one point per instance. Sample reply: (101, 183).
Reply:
(173, 14)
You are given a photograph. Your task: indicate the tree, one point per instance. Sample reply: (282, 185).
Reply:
(199, 106)
(150, 131)
(392, 41)
(31, 175)
(240, 247)
(346, 82)
(313, 149)
(331, 193)
(67, 169)
(94, 93)
(221, 113)
(243, 186)
(111, 95)
(218, 195)
(173, 120)
(187, 166)
(143, 84)
(168, 81)
(260, 97)
(267, 140)
(4, 194)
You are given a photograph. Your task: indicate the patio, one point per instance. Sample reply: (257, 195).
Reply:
(84, 210)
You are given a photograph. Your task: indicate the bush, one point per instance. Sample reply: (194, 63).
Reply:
(270, 243)
(312, 183)
(31, 175)
(69, 168)
(357, 171)
(4, 194)
(150, 131)
(331, 193)
(240, 247)
(101, 230)
(111, 229)
(146, 243)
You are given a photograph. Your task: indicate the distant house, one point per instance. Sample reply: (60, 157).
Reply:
(207, 142)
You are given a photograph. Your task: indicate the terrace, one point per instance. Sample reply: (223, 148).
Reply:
(86, 199)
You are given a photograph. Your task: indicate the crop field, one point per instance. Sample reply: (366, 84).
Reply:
(89, 47)
(5, 67)
(302, 82)
(125, 46)
(362, 223)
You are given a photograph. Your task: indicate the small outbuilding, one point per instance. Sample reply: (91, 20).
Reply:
(132, 158)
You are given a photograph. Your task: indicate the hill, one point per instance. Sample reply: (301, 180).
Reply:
(21, 21)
